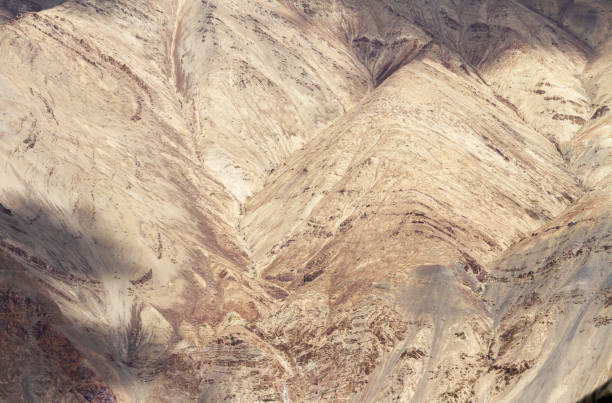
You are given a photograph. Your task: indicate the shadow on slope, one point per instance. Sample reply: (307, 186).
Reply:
(57, 325)
(38, 359)
(16, 7)
(601, 394)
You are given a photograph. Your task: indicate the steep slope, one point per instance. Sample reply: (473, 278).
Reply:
(560, 276)
(110, 189)
(402, 184)
(305, 200)
(552, 336)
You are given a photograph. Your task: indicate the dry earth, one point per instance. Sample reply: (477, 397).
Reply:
(305, 200)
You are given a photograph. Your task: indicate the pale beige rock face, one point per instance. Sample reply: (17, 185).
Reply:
(287, 200)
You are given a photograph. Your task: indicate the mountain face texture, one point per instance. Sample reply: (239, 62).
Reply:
(305, 200)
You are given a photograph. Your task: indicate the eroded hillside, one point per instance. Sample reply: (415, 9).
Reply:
(283, 200)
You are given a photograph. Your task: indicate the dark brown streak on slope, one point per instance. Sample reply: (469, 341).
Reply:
(87, 49)
(406, 56)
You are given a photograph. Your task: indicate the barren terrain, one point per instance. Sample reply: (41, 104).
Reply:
(305, 200)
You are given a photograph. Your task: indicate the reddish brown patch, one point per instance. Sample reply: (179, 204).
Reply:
(247, 311)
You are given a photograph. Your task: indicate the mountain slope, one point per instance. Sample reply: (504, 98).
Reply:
(305, 200)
